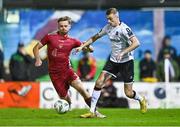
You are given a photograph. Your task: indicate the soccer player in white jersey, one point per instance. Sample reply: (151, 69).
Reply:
(123, 42)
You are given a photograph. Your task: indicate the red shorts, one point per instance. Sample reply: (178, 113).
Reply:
(62, 80)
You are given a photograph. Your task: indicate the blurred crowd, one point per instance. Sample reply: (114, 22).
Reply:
(152, 71)
(21, 65)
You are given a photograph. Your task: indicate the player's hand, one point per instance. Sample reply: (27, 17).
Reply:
(88, 48)
(87, 77)
(38, 62)
(119, 56)
(2, 80)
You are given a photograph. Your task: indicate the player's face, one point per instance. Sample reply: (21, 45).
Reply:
(64, 27)
(113, 20)
(147, 56)
(167, 42)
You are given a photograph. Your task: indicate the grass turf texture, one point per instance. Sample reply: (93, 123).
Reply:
(115, 117)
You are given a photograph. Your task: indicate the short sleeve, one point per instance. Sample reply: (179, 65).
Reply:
(128, 32)
(77, 43)
(103, 31)
(44, 40)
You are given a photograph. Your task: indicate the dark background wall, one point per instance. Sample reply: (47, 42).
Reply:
(88, 4)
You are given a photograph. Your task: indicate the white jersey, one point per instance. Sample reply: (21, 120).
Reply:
(120, 39)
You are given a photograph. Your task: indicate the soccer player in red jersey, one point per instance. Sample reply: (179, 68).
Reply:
(59, 46)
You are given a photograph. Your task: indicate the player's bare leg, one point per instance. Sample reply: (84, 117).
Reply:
(95, 96)
(132, 94)
(77, 84)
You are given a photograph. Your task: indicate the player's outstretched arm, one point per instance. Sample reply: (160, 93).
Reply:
(88, 42)
(88, 48)
(36, 48)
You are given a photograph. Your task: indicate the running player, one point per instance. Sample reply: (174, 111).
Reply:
(123, 42)
(59, 46)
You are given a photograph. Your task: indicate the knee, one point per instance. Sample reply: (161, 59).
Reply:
(129, 94)
(99, 83)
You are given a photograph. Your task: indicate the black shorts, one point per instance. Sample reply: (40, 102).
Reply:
(126, 70)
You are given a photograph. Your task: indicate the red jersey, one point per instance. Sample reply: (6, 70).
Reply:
(59, 49)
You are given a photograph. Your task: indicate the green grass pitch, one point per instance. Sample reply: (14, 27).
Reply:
(115, 117)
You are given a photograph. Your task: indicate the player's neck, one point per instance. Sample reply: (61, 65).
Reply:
(62, 34)
(118, 23)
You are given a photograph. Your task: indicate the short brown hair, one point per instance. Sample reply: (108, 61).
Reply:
(111, 11)
(65, 18)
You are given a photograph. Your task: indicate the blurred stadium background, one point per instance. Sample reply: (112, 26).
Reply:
(29, 20)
